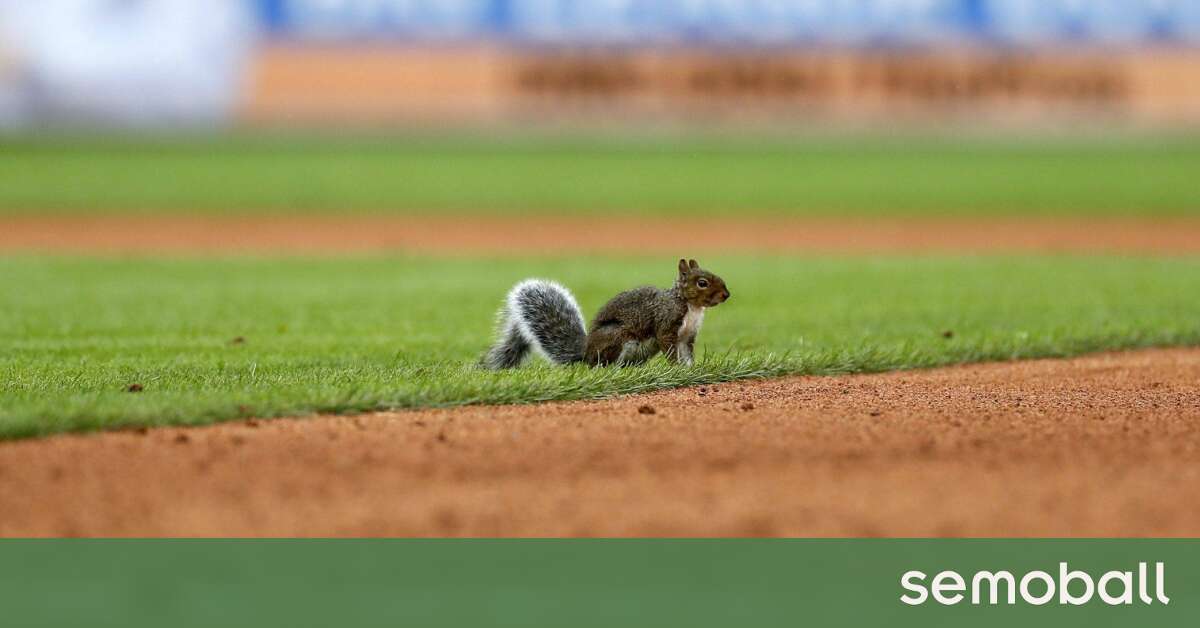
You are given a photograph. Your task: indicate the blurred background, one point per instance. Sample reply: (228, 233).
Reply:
(472, 63)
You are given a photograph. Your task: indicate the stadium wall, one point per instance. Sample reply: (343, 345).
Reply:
(304, 83)
(169, 64)
(480, 61)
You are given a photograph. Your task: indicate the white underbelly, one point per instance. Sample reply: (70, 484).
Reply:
(691, 323)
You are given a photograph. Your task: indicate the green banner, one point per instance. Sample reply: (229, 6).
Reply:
(581, 583)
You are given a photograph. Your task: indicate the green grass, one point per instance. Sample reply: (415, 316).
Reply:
(370, 333)
(792, 176)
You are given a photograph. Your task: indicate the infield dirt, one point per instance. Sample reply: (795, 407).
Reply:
(1104, 445)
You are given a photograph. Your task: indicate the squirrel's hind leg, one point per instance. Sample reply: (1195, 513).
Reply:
(508, 352)
(605, 345)
(635, 352)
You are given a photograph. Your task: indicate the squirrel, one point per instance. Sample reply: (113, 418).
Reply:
(631, 328)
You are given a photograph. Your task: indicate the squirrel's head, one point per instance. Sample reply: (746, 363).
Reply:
(700, 287)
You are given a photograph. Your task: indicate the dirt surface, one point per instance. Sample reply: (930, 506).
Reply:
(1098, 446)
(460, 236)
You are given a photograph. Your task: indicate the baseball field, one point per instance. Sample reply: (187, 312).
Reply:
(276, 335)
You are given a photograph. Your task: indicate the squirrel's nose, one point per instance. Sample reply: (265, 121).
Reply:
(726, 297)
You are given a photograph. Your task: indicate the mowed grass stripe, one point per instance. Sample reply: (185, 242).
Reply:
(211, 340)
(1146, 176)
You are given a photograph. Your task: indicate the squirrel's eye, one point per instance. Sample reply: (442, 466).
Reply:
(702, 283)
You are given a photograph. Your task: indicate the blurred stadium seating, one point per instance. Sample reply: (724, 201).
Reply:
(270, 62)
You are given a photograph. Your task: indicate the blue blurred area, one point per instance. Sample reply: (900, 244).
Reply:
(750, 22)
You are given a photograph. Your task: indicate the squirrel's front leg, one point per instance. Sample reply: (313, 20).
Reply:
(683, 351)
(668, 342)
(689, 347)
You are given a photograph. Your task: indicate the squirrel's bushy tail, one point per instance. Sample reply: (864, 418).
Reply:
(542, 316)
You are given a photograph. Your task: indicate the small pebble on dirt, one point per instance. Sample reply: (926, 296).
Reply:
(252, 423)
(646, 410)
(441, 437)
(876, 413)
(183, 438)
(747, 406)
(134, 388)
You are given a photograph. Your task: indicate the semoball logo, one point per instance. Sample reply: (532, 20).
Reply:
(1036, 587)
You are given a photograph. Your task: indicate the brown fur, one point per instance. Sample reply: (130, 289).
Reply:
(637, 324)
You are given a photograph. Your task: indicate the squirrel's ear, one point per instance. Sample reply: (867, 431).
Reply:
(683, 267)
(693, 264)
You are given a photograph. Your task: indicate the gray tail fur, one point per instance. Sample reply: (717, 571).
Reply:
(541, 316)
